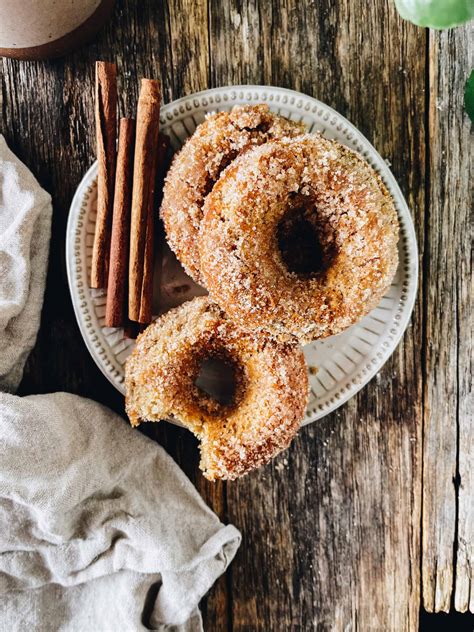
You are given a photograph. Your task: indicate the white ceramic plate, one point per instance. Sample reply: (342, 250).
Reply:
(338, 366)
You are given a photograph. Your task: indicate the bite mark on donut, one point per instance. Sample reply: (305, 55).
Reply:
(271, 387)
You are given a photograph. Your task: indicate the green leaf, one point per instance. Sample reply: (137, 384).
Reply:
(436, 14)
(469, 96)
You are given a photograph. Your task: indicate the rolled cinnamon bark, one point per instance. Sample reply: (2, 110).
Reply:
(152, 246)
(142, 222)
(106, 133)
(115, 312)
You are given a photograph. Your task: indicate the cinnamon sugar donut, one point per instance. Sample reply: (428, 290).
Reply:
(269, 399)
(303, 196)
(215, 143)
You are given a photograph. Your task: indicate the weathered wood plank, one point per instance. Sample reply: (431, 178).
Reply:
(331, 528)
(448, 452)
(189, 31)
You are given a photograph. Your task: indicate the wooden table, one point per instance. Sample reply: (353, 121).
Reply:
(367, 516)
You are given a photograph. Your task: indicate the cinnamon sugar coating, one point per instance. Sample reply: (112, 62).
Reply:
(271, 387)
(213, 146)
(351, 212)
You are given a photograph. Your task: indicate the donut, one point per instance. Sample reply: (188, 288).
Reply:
(299, 238)
(215, 143)
(269, 398)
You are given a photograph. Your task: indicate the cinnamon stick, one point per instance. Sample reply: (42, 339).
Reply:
(115, 312)
(151, 233)
(106, 132)
(142, 221)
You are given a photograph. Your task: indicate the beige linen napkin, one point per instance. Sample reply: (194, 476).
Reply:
(25, 226)
(99, 528)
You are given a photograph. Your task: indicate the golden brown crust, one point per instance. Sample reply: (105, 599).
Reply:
(242, 263)
(195, 169)
(272, 388)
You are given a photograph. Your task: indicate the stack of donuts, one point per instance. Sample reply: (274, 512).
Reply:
(295, 239)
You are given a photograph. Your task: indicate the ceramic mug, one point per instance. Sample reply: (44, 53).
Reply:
(40, 29)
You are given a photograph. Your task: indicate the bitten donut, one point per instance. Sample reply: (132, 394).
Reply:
(270, 392)
(215, 143)
(299, 237)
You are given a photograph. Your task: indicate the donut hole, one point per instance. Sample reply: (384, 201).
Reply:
(305, 243)
(219, 382)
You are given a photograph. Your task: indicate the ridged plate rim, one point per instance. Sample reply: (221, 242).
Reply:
(335, 126)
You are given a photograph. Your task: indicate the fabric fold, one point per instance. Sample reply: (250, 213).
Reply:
(25, 228)
(84, 497)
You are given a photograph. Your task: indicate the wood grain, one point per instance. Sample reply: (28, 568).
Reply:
(331, 529)
(448, 450)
